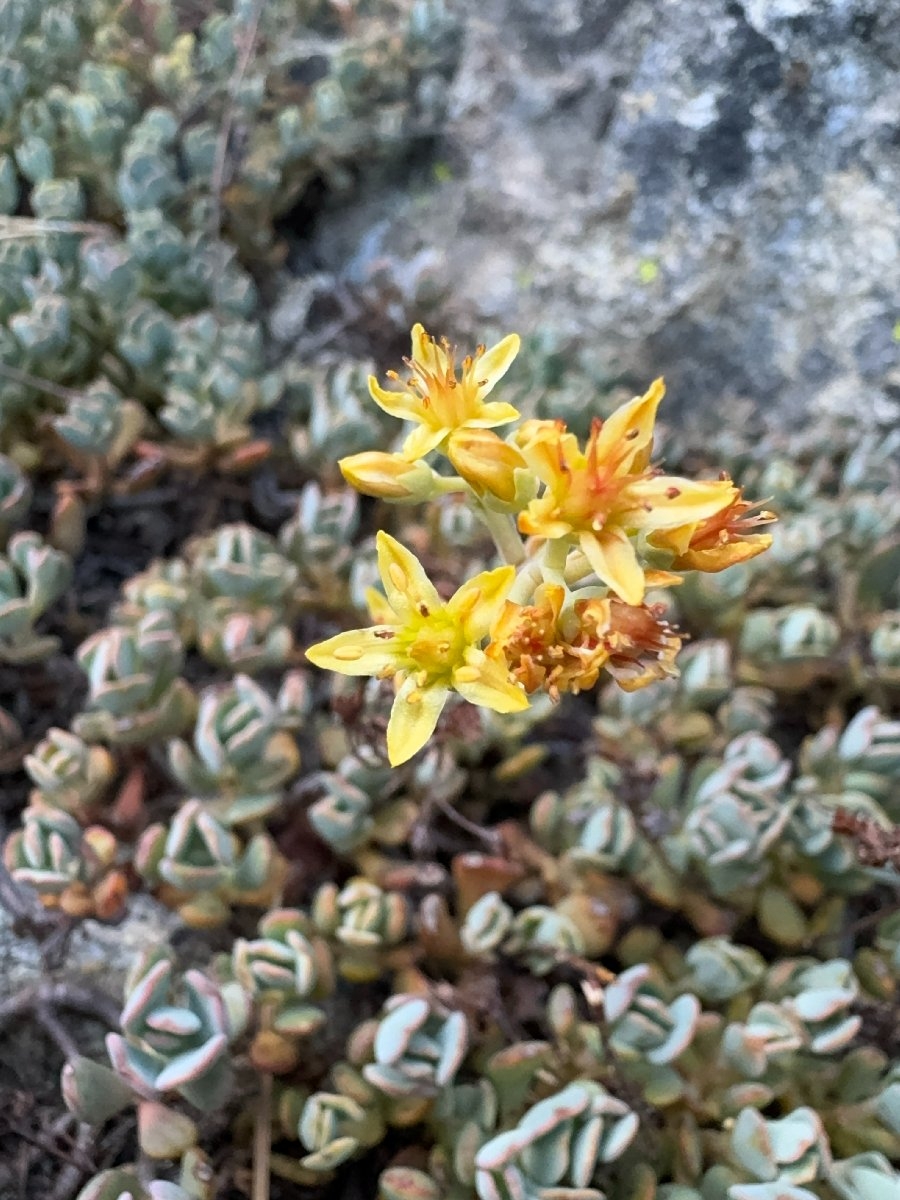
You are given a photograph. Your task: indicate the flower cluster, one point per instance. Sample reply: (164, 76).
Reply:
(601, 523)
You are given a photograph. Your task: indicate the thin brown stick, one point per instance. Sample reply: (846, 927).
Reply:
(262, 1140)
(218, 172)
(35, 381)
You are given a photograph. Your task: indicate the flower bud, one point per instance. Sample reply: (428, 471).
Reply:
(388, 476)
(488, 464)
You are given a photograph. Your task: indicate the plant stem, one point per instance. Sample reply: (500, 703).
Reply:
(525, 582)
(445, 485)
(506, 538)
(262, 1140)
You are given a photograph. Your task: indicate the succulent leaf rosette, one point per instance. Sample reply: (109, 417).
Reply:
(556, 1147)
(241, 757)
(175, 1036)
(418, 1049)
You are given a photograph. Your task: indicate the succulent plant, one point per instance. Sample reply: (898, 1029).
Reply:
(135, 692)
(15, 496)
(333, 1127)
(175, 1035)
(33, 576)
(288, 966)
(242, 755)
(331, 418)
(858, 764)
(738, 813)
(215, 381)
(642, 1024)
(793, 1150)
(769, 1034)
(164, 587)
(318, 540)
(204, 865)
(364, 921)
(418, 1048)
(543, 937)
(721, 970)
(242, 583)
(558, 1144)
(866, 1176)
(46, 852)
(69, 867)
(119, 1184)
(487, 925)
(67, 773)
(99, 422)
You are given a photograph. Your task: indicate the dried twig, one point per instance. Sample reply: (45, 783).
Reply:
(43, 1001)
(262, 1140)
(78, 1162)
(218, 172)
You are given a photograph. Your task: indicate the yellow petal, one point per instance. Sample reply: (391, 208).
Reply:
(408, 588)
(484, 681)
(358, 651)
(486, 462)
(667, 501)
(632, 425)
(405, 405)
(477, 603)
(533, 523)
(718, 558)
(495, 412)
(662, 579)
(613, 557)
(427, 352)
(677, 539)
(379, 609)
(551, 452)
(413, 718)
(422, 441)
(492, 366)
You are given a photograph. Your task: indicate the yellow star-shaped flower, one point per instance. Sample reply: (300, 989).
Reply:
(439, 400)
(601, 496)
(427, 646)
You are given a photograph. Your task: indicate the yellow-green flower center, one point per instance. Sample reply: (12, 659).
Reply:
(436, 646)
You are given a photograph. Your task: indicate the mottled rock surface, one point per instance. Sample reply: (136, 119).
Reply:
(703, 188)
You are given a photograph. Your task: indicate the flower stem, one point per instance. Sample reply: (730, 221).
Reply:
(502, 529)
(522, 590)
(445, 485)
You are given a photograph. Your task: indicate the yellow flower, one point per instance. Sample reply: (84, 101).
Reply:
(720, 541)
(602, 495)
(488, 464)
(387, 476)
(427, 646)
(441, 402)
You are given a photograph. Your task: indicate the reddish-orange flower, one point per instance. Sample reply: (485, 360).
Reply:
(547, 647)
(719, 541)
(642, 645)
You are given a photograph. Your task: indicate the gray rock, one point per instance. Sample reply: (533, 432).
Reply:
(98, 953)
(704, 189)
